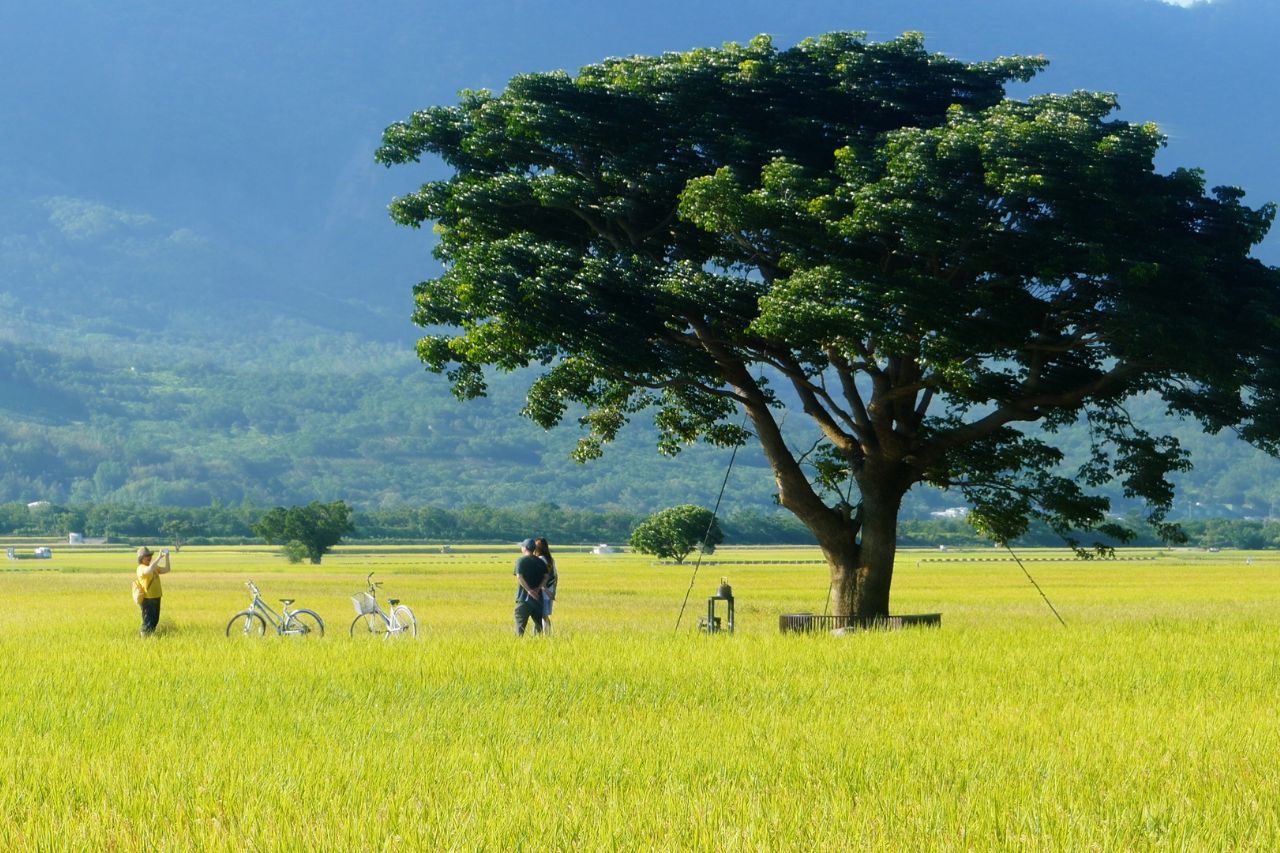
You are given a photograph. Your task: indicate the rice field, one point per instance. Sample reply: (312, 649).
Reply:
(1149, 722)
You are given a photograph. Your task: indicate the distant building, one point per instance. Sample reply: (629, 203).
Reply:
(951, 512)
(75, 538)
(34, 505)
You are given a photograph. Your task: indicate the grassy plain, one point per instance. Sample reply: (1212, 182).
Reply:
(1149, 722)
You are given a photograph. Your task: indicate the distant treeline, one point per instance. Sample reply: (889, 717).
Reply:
(473, 523)
(233, 524)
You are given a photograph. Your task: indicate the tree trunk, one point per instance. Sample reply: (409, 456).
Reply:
(862, 572)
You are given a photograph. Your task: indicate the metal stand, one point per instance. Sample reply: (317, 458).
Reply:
(711, 624)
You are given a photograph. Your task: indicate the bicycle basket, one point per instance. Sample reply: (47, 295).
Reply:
(364, 603)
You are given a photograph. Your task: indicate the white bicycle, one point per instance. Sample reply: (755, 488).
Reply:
(372, 621)
(288, 623)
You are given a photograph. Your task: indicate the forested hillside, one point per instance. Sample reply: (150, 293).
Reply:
(367, 425)
(376, 431)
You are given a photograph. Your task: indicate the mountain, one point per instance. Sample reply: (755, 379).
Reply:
(202, 297)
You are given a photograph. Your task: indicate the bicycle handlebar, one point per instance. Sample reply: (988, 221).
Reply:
(252, 587)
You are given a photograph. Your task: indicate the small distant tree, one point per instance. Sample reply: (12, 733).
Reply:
(674, 532)
(178, 530)
(316, 527)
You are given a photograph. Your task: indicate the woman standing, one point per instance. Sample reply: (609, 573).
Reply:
(542, 549)
(149, 579)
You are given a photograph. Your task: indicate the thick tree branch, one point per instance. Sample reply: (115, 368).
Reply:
(1024, 409)
(849, 386)
(866, 352)
(826, 409)
(596, 225)
(922, 408)
(814, 408)
(683, 383)
(662, 223)
(795, 492)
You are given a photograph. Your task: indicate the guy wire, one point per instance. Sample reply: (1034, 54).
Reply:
(711, 524)
(1036, 585)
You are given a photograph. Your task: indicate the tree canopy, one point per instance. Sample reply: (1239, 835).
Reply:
(872, 232)
(310, 530)
(674, 532)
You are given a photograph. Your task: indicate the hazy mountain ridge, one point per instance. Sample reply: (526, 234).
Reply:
(204, 299)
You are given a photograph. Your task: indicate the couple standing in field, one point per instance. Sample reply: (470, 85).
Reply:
(537, 578)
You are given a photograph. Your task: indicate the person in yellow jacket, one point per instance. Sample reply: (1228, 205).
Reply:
(149, 572)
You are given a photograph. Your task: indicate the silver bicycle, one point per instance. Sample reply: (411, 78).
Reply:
(252, 622)
(374, 622)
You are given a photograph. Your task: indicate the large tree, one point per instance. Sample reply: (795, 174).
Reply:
(931, 269)
(316, 527)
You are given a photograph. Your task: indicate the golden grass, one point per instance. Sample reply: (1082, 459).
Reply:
(1150, 722)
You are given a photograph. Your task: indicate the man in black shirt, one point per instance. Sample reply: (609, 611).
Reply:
(530, 572)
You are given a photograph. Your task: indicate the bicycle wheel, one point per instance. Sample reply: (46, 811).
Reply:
(303, 623)
(408, 623)
(246, 623)
(368, 626)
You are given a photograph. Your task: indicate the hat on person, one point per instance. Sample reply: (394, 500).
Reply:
(527, 545)
(144, 551)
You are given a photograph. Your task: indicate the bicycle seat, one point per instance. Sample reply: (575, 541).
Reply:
(287, 601)
(393, 601)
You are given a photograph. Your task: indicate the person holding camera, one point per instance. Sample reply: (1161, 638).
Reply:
(149, 572)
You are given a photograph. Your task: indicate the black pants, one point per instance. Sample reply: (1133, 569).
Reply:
(527, 610)
(150, 615)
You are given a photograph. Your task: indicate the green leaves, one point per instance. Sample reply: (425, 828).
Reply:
(918, 261)
(673, 533)
(312, 529)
